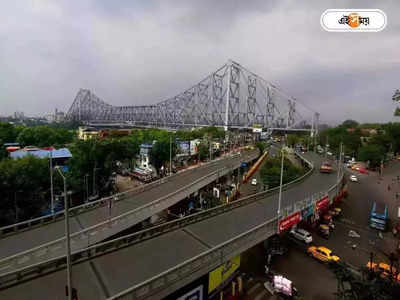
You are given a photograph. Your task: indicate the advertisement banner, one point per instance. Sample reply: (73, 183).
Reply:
(196, 290)
(322, 203)
(308, 211)
(289, 221)
(183, 147)
(222, 273)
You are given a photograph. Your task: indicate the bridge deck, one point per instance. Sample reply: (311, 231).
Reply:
(29, 239)
(109, 274)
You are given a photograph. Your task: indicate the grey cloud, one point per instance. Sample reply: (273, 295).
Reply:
(139, 52)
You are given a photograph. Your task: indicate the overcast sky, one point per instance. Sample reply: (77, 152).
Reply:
(142, 52)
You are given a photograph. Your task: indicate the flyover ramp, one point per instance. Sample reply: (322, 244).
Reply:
(166, 194)
(122, 269)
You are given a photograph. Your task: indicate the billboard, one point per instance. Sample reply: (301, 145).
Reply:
(289, 221)
(183, 147)
(196, 290)
(222, 273)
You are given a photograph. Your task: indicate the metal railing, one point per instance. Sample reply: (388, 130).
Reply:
(44, 220)
(206, 261)
(13, 269)
(105, 229)
(201, 263)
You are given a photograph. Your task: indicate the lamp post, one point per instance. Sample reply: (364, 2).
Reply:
(170, 155)
(280, 189)
(87, 187)
(67, 236)
(51, 182)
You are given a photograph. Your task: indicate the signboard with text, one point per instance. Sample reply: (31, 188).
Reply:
(322, 203)
(289, 221)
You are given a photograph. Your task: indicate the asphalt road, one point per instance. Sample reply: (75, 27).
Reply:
(26, 240)
(126, 267)
(313, 279)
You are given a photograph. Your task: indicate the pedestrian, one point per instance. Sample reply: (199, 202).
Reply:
(389, 187)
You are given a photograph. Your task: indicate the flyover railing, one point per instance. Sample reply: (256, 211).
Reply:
(36, 222)
(51, 255)
(210, 259)
(107, 228)
(201, 263)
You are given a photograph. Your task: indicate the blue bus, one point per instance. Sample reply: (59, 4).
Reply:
(379, 216)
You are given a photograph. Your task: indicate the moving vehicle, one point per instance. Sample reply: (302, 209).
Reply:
(284, 287)
(301, 235)
(322, 253)
(327, 220)
(324, 230)
(379, 215)
(384, 270)
(326, 167)
(254, 181)
(336, 211)
(353, 178)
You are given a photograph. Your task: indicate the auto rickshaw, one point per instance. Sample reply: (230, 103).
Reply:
(335, 212)
(324, 230)
(327, 219)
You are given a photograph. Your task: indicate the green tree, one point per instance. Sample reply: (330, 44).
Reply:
(204, 151)
(350, 124)
(293, 140)
(271, 172)
(261, 147)
(372, 153)
(25, 185)
(43, 136)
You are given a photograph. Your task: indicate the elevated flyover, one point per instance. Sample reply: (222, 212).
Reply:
(92, 222)
(164, 262)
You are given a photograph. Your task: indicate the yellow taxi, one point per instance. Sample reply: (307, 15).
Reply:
(322, 253)
(384, 270)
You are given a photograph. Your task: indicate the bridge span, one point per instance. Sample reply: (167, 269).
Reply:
(93, 223)
(155, 267)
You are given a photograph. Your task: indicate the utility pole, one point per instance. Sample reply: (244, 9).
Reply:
(94, 180)
(280, 189)
(87, 187)
(67, 236)
(210, 151)
(170, 155)
(51, 182)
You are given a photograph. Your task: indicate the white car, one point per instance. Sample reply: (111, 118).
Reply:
(254, 181)
(301, 235)
(353, 178)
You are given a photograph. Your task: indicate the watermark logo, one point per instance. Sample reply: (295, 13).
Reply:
(353, 20)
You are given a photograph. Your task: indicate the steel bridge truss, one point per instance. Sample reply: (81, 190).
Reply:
(231, 97)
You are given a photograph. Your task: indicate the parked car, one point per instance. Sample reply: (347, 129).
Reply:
(322, 253)
(301, 235)
(254, 181)
(353, 178)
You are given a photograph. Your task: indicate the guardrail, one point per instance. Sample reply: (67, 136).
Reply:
(15, 268)
(157, 286)
(200, 264)
(105, 229)
(44, 220)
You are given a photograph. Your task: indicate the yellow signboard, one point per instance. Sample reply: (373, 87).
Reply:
(222, 273)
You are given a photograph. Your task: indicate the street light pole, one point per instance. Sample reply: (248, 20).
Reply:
(280, 189)
(67, 237)
(87, 187)
(51, 182)
(170, 155)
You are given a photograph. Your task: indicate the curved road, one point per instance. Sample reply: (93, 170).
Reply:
(34, 237)
(112, 273)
